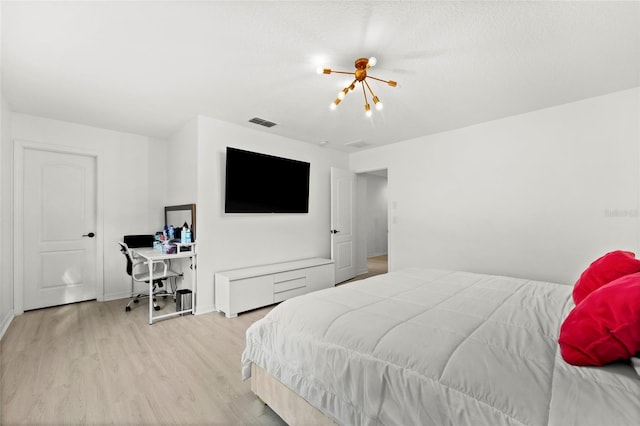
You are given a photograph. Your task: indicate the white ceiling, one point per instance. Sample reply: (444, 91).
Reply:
(148, 67)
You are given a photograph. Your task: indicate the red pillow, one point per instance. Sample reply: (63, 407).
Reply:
(609, 267)
(605, 327)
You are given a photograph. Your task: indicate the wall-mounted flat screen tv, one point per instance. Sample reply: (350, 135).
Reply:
(261, 183)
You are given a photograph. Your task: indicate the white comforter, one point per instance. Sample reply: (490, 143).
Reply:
(419, 347)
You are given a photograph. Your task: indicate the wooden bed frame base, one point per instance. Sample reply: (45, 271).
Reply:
(291, 407)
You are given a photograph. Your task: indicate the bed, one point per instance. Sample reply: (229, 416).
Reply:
(425, 346)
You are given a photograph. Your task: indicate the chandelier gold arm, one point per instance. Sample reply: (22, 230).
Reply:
(376, 100)
(369, 87)
(364, 92)
(367, 107)
(330, 71)
(389, 82)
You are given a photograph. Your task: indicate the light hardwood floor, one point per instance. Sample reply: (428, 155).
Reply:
(92, 363)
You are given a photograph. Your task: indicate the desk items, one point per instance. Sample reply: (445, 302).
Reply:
(185, 234)
(171, 237)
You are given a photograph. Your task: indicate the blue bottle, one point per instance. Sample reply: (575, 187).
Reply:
(183, 234)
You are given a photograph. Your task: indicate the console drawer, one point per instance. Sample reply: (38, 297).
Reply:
(279, 287)
(284, 295)
(289, 275)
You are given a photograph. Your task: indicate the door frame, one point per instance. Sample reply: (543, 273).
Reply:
(19, 147)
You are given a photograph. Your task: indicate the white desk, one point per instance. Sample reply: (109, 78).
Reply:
(150, 254)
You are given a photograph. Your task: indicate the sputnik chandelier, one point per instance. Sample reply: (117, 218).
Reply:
(362, 65)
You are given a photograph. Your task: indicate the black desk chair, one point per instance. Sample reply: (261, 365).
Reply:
(138, 270)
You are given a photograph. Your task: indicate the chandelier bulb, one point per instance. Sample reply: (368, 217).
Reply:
(367, 110)
(372, 61)
(343, 93)
(377, 103)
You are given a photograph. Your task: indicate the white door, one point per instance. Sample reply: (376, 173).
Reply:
(59, 224)
(342, 223)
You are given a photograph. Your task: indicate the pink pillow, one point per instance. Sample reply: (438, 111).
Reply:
(605, 326)
(609, 267)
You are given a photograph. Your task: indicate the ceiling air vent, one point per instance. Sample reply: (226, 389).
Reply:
(262, 122)
(359, 143)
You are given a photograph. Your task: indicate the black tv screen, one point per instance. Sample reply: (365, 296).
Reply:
(260, 183)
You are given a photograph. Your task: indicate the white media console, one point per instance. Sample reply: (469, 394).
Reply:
(244, 289)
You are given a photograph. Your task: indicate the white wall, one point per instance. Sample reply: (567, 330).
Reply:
(159, 177)
(227, 241)
(6, 254)
(6, 258)
(182, 188)
(134, 179)
(537, 195)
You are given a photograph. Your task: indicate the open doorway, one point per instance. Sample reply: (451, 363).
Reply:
(372, 223)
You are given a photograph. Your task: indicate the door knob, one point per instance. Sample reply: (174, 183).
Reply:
(90, 235)
(334, 231)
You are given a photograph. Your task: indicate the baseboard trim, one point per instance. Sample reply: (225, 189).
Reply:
(115, 296)
(6, 322)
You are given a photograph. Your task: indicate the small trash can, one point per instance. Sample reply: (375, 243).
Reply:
(183, 300)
